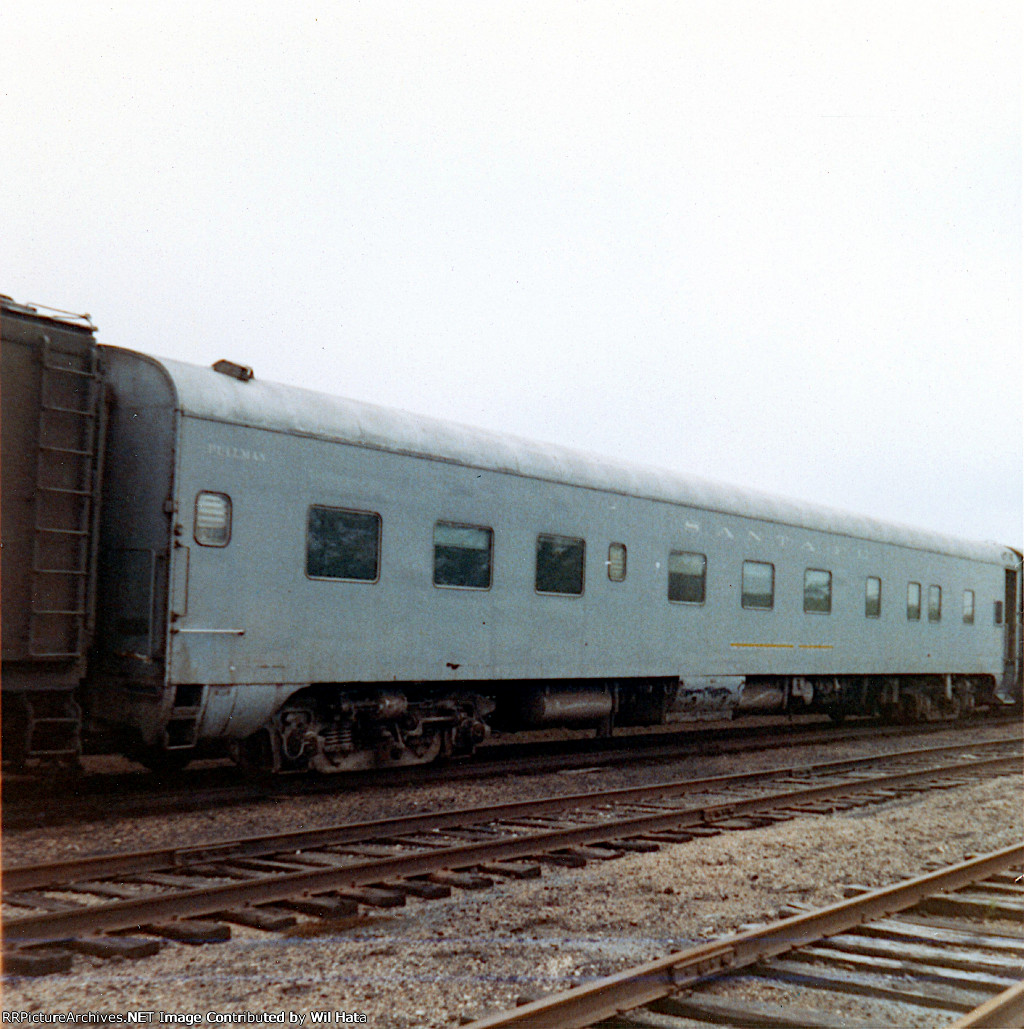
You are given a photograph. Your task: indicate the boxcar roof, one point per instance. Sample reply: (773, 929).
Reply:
(204, 393)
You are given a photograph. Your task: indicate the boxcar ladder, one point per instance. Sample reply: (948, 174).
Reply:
(63, 552)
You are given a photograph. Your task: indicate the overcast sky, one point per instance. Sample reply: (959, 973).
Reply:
(773, 244)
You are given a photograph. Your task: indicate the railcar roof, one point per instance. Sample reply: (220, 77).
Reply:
(204, 393)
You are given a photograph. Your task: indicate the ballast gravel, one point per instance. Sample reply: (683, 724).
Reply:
(475, 952)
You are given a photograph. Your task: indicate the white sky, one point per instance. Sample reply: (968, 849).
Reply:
(774, 244)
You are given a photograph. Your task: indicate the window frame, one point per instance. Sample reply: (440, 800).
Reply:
(554, 536)
(877, 613)
(934, 604)
(969, 610)
(743, 587)
(195, 517)
(914, 612)
(490, 556)
(625, 562)
(815, 610)
(346, 510)
(703, 577)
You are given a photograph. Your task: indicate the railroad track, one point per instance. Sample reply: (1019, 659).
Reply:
(28, 803)
(195, 893)
(926, 944)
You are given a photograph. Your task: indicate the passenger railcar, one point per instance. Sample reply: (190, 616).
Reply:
(333, 585)
(323, 584)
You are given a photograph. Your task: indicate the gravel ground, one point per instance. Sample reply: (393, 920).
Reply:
(481, 951)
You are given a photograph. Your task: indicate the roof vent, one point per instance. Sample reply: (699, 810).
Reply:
(241, 372)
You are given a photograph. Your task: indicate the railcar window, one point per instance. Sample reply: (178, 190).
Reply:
(687, 577)
(462, 555)
(617, 561)
(560, 565)
(213, 519)
(934, 603)
(818, 591)
(968, 607)
(873, 597)
(342, 544)
(913, 601)
(997, 612)
(758, 585)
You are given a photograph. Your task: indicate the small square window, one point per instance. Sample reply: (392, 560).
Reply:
(913, 602)
(559, 567)
(758, 585)
(687, 577)
(462, 556)
(968, 607)
(342, 544)
(616, 561)
(213, 519)
(873, 597)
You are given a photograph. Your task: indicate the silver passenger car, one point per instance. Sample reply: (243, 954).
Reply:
(329, 584)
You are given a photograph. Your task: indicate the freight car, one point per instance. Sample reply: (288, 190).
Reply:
(317, 583)
(50, 470)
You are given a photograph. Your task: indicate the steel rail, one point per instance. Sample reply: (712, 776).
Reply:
(188, 903)
(24, 808)
(26, 877)
(1005, 1009)
(635, 987)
